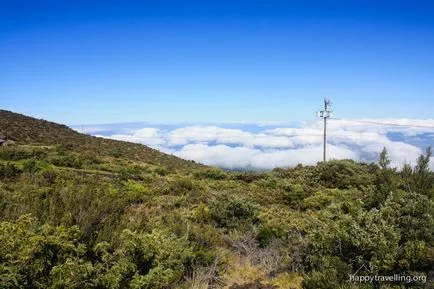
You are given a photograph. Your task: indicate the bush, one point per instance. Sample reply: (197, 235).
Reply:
(70, 161)
(230, 211)
(30, 254)
(31, 166)
(9, 171)
(115, 152)
(49, 176)
(294, 194)
(161, 171)
(88, 160)
(181, 186)
(344, 174)
(201, 213)
(332, 272)
(51, 257)
(247, 177)
(126, 174)
(213, 174)
(143, 261)
(15, 153)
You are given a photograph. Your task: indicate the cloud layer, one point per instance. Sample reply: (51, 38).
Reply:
(266, 146)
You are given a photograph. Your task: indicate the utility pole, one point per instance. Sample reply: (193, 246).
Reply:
(325, 114)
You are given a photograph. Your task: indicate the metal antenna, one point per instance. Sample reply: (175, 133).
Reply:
(325, 114)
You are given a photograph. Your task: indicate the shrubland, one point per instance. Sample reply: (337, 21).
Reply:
(71, 218)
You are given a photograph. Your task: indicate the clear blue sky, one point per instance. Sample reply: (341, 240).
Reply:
(209, 61)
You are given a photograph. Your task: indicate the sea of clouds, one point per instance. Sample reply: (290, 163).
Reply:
(264, 146)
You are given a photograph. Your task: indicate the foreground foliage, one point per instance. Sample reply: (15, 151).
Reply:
(113, 223)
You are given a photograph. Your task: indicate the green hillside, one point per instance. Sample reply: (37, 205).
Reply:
(26, 130)
(78, 211)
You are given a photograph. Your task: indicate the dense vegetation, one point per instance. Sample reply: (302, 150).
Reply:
(75, 215)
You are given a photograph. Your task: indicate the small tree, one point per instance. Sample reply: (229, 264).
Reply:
(386, 180)
(406, 177)
(422, 165)
(423, 178)
(384, 161)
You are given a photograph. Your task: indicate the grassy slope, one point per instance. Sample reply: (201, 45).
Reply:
(28, 130)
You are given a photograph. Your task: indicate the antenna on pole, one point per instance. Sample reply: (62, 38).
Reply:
(325, 114)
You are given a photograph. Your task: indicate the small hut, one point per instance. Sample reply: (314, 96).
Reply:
(6, 141)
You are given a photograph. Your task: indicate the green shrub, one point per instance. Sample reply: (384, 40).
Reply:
(9, 171)
(344, 174)
(31, 166)
(126, 174)
(29, 253)
(161, 171)
(49, 176)
(332, 272)
(294, 194)
(232, 210)
(12, 153)
(181, 186)
(247, 177)
(115, 152)
(280, 222)
(201, 213)
(213, 174)
(70, 161)
(88, 160)
(143, 260)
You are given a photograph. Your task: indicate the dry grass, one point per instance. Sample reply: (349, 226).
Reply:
(288, 281)
(205, 277)
(242, 271)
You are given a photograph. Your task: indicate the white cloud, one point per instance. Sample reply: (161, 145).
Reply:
(206, 134)
(245, 157)
(268, 146)
(148, 136)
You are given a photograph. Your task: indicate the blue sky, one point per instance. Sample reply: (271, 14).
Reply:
(90, 62)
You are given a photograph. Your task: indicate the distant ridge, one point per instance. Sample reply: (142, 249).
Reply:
(25, 130)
